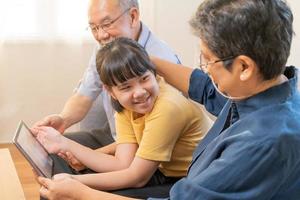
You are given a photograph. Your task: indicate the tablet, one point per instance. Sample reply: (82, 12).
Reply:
(33, 151)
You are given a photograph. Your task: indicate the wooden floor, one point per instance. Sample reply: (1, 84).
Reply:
(25, 173)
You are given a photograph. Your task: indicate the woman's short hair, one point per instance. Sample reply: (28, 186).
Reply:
(259, 29)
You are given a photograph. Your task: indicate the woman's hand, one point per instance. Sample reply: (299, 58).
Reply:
(61, 176)
(71, 189)
(63, 189)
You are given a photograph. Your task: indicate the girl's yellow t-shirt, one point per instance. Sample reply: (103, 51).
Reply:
(169, 134)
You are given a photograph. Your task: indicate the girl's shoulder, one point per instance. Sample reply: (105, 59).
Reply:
(125, 114)
(169, 98)
(168, 94)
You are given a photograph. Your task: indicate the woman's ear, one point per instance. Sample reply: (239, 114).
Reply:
(135, 17)
(247, 67)
(110, 91)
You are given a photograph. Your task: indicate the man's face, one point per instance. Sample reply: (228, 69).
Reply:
(227, 81)
(107, 15)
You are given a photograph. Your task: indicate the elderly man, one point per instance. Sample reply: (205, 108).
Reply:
(108, 19)
(252, 151)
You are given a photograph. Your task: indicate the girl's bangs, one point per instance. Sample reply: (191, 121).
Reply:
(123, 69)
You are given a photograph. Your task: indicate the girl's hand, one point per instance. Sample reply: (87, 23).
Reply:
(51, 139)
(72, 161)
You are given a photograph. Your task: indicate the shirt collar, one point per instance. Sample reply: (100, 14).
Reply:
(144, 35)
(273, 95)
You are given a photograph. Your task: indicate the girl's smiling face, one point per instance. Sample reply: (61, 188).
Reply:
(137, 94)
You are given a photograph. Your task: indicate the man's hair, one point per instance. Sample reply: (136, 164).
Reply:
(259, 29)
(121, 60)
(125, 4)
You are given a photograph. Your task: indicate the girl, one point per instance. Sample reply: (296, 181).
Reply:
(157, 127)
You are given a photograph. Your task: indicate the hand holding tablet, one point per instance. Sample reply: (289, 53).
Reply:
(33, 151)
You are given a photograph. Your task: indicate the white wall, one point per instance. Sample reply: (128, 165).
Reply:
(294, 58)
(168, 19)
(36, 77)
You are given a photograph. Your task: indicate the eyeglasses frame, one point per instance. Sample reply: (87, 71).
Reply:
(105, 27)
(203, 66)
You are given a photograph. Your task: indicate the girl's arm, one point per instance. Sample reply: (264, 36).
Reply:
(101, 162)
(136, 175)
(77, 165)
(54, 142)
(108, 149)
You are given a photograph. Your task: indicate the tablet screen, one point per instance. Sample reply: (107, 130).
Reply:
(33, 151)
